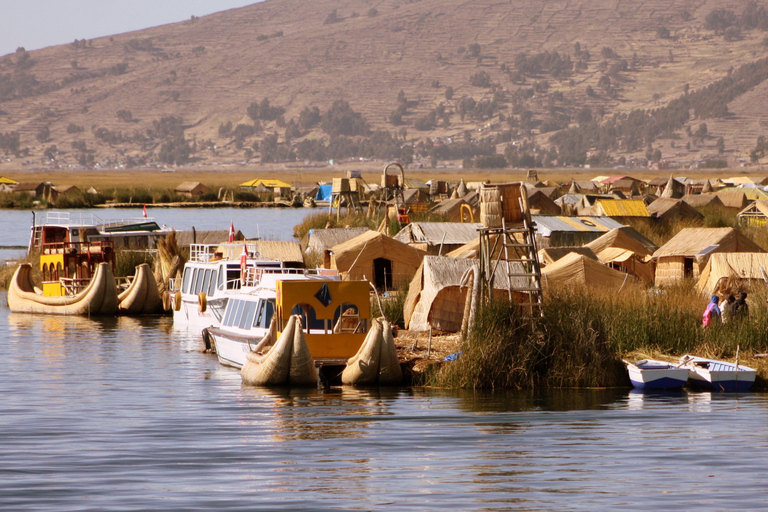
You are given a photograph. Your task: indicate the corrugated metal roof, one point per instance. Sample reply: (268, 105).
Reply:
(547, 224)
(433, 232)
(624, 207)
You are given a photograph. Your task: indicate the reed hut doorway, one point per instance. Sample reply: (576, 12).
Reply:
(382, 270)
(688, 268)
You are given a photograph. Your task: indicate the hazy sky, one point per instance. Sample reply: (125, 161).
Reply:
(36, 24)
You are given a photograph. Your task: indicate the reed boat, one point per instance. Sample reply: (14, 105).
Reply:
(713, 375)
(98, 297)
(649, 374)
(141, 297)
(335, 317)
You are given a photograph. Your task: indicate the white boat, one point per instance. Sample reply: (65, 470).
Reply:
(213, 273)
(651, 374)
(716, 375)
(335, 315)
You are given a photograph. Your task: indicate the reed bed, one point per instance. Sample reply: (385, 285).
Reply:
(583, 337)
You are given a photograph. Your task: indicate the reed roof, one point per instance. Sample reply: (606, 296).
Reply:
(725, 270)
(216, 236)
(322, 239)
(759, 206)
(665, 208)
(700, 200)
(690, 242)
(276, 250)
(621, 243)
(371, 245)
(732, 199)
(579, 270)
(549, 255)
(623, 207)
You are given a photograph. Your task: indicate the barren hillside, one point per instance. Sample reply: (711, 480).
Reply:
(101, 102)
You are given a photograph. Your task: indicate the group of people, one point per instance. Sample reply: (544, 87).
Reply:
(732, 309)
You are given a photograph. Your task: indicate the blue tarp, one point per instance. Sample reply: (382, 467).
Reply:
(324, 193)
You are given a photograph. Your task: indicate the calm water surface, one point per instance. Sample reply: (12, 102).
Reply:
(125, 414)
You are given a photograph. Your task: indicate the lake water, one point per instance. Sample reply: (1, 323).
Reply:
(125, 414)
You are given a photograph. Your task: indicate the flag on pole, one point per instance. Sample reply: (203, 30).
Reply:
(244, 263)
(145, 211)
(231, 233)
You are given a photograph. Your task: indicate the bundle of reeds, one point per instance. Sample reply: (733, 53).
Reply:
(169, 262)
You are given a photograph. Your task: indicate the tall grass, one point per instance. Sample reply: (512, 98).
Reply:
(126, 261)
(583, 336)
(392, 304)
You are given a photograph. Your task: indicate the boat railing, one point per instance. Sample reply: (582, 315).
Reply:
(253, 275)
(75, 219)
(174, 284)
(72, 285)
(92, 248)
(204, 253)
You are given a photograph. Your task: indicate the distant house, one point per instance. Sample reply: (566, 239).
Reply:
(319, 240)
(540, 203)
(619, 208)
(277, 187)
(37, 190)
(451, 210)
(733, 199)
(7, 181)
(667, 210)
(192, 189)
(67, 189)
(703, 200)
(686, 253)
(755, 214)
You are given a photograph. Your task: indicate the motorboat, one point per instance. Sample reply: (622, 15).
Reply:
(213, 273)
(335, 317)
(648, 374)
(713, 375)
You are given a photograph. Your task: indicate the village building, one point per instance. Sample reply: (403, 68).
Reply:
(382, 260)
(668, 210)
(703, 200)
(549, 255)
(755, 214)
(454, 210)
(562, 231)
(737, 200)
(438, 237)
(66, 189)
(686, 254)
(320, 240)
(673, 189)
(728, 273)
(37, 190)
(540, 203)
(578, 270)
(626, 250)
(192, 189)
(261, 186)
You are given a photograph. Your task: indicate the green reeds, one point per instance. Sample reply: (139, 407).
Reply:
(392, 304)
(126, 261)
(583, 336)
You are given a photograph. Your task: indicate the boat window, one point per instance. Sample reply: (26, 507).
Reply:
(222, 273)
(233, 278)
(249, 312)
(231, 306)
(185, 280)
(206, 280)
(238, 313)
(346, 319)
(214, 277)
(265, 313)
(193, 281)
(308, 317)
(199, 281)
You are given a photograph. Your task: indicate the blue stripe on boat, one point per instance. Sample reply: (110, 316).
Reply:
(663, 383)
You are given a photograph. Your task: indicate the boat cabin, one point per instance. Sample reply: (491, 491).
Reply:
(67, 266)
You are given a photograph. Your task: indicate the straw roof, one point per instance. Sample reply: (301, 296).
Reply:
(363, 249)
(216, 236)
(707, 188)
(287, 252)
(436, 298)
(674, 209)
(543, 203)
(733, 199)
(621, 243)
(673, 189)
(549, 255)
(579, 270)
(701, 200)
(727, 271)
(758, 207)
(7, 181)
(450, 208)
(321, 239)
(690, 242)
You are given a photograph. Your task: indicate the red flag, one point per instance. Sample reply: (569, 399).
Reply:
(231, 233)
(145, 211)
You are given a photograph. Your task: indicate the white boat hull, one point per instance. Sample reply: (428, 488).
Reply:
(712, 375)
(657, 378)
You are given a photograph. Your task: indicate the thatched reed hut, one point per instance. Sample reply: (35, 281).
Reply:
(216, 236)
(755, 214)
(668, 210)
(451, 210)
(437, 295)
(703, 200)
(549, 255)
(686, 254)
(576, 270)
(320, 240)
(376, 257)
(732, 272)
(540, 203)
(626, 250)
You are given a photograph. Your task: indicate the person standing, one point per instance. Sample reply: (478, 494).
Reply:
(712, 313)
(727, 308)
(740, 307)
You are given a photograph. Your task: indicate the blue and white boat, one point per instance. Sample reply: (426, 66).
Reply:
(713, 375)
(649, 374)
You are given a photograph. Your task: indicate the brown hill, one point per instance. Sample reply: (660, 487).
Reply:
(207, 71)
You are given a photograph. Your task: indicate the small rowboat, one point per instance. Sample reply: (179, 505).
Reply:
(715, 375)
(651, 374)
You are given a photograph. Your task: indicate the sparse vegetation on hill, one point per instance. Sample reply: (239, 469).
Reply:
(536, 89)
